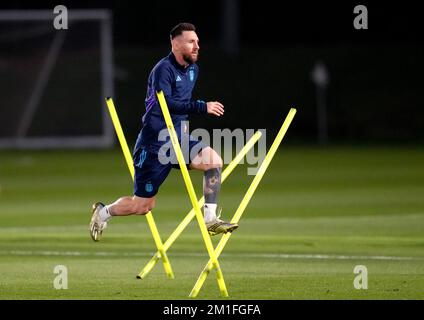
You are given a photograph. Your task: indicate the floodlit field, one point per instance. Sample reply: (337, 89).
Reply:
(316, 215)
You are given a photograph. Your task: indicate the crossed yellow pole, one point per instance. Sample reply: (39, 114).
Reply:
(174, 235)
(192, 194)
(163, 248)
(149, 216)
(213, 254)
(195, 291)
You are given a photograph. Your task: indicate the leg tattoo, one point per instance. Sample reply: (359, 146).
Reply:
(211, 185)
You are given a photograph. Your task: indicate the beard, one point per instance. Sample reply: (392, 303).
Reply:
(189, 59)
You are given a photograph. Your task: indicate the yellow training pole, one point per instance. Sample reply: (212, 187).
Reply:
(128, 158)
(192, 194)
(227, 171)
(195, 291)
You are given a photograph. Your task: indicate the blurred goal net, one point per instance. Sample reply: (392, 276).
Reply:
(53, 82)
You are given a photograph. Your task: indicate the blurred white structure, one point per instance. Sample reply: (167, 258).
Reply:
(49, 73)
(320, 78)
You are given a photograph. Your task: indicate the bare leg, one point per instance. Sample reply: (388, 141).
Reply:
(210, 163)
(122, 207)
(126, 206)
(211, 185)
(206, 159)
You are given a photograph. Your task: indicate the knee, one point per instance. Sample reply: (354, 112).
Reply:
(216, 161)
(143, 208)
(219, 163)
(207, 159)
(146, 208)
(215, 164)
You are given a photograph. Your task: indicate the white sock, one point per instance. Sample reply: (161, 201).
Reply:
(209, 212)
(104, 213)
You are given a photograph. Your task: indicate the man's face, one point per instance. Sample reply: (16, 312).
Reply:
(187, 44)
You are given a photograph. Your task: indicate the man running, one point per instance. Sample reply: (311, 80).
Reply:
(176, 76)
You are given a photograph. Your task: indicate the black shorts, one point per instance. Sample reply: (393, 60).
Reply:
(151, 169)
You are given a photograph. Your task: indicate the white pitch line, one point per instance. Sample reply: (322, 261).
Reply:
(236, 255)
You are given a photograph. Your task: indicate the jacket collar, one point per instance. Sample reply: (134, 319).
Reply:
(174, 61)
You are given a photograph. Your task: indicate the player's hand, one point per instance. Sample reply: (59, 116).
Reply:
(216, 108)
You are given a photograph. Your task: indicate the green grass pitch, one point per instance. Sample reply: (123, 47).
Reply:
(316, 215)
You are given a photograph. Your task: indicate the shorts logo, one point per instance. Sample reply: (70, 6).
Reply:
(142, 158)
(149, 187)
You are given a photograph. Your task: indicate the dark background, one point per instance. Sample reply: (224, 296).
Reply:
(375, 89)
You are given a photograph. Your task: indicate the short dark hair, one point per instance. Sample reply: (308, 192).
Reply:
(179, 28)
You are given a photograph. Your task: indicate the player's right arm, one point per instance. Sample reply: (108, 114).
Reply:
(216, 108)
